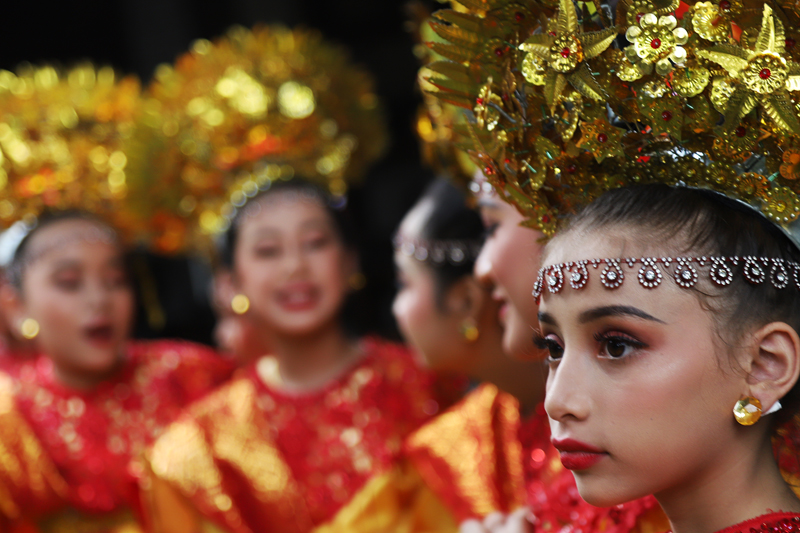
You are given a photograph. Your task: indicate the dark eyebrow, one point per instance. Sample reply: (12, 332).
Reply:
(614, 310)
(546, 318)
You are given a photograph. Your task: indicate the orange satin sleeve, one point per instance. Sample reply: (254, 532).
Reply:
(397, 501)
(216, 463)
(470, 455)
(30, 484)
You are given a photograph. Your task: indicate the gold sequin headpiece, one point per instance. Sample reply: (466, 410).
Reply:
(64, 144)
(253, 107)
(565, 101)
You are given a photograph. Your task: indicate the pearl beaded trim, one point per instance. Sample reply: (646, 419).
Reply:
(437, 252)
(682, 270)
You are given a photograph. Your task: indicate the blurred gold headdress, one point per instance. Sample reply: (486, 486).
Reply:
(63, 143)
(568, 100)
(252, 107)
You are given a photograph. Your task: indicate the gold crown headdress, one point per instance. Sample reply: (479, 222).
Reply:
(64, 144)
(566, 101)
(435, 118)
(253, 107)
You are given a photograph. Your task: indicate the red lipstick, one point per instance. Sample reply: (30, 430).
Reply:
(577, 455)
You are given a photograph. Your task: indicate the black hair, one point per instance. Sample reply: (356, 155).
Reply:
(226, 249)
(16, 268)
(449, 219)
(705, 222)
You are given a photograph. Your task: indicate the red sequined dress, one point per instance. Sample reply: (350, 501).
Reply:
(779, 522)
(253, 458)
(72, 460)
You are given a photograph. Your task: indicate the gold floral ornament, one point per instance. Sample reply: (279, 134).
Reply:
(712, 20)
(563, 54)
(759, 77)
(551, 148)
(65, 144)
(233, 116)
(657, 41)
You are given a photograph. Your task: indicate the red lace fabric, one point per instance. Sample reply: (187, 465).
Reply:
(96, 438)
(554, 499)
(335, 439)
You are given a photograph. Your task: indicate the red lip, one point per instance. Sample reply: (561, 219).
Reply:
(577, 455)
(298, 297)
(100, 334)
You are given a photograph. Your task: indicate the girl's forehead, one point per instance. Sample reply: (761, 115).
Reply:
(64, 236)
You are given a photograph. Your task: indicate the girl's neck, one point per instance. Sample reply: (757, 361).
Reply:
(309, 362)
(525, 380)
(737, 488)
(81, 380)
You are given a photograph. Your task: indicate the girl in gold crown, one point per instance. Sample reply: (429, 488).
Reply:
(645, 372)
(289, 441)
(76, 423)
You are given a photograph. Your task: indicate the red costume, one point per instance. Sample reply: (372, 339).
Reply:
(74, 458)
(250, 457)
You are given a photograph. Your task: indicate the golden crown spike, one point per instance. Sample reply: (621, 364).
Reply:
(564, 101)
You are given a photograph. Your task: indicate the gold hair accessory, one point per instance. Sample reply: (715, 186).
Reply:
(240, 304)
(651, 271)
(562, 102)
(747, 411)
(29, 328)
(253, 107)
(469, 329)
(455, 252)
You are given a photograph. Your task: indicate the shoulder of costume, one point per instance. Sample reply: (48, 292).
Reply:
(29, 480)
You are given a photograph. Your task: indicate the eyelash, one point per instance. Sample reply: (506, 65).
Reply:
(551, 345)
(621, 338)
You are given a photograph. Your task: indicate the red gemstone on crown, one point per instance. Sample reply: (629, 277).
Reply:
(489, 171)
(725, 5)
(655, 44)
(765, 74)
(741, 131)
(552, 33)
(498, 52)
(639, 17)
(519, 17)
(565, 53)
(667, 116)
(479, 101)
(602, 137)
(546, 219)
(572, 168)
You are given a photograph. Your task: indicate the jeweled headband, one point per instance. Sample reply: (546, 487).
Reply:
(455, 252)
(653, 270)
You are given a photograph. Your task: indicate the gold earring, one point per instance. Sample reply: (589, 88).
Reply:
(357, 281)
(29, 328)
(240, 304)
(469, 329)
(747, 410)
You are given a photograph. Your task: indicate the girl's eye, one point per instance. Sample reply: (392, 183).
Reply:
(552, 345)
(317, 243)
(617, 346)
(490, 229)
(267, 251)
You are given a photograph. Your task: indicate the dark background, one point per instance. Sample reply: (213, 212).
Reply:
(134, 36)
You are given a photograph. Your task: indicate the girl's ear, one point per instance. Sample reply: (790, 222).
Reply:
(773, 363)
(465, 298)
